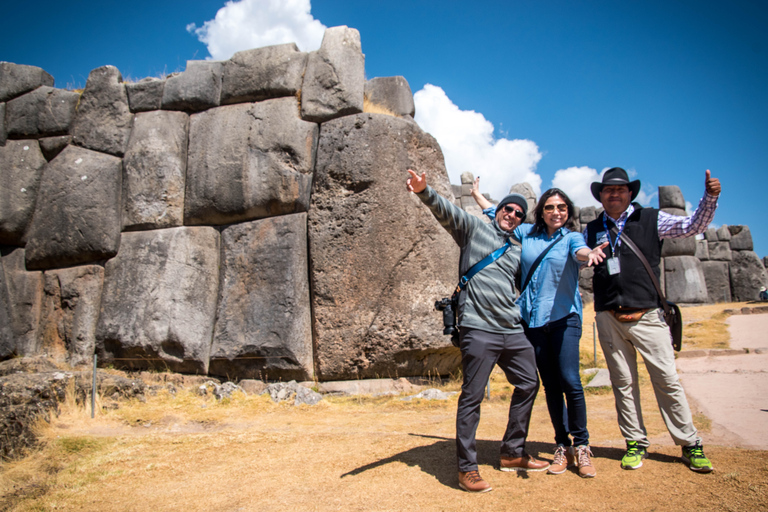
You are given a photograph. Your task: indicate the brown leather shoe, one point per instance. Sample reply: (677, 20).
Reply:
(584, 461)
(562, 461)
(471, 481)
(524, 463)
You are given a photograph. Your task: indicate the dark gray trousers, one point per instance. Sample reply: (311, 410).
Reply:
(514, 354)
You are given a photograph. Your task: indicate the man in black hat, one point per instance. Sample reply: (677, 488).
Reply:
(628, 314)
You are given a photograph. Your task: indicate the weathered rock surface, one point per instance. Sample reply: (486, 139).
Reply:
(103, 121)
(70, 313)
(3, 131)
(747, 276)
(145, 95)
(264, 323)
(526, 190)
(262, 73)
(684, 280)
(18, 79)
(671, 197)
(719, 251)
(586, 275)
(741, 238)
(588, 213)
(702, 250)
(44, 112)
(21, 165)
(370, 318)
(718, 278)
(159, 300)
(78, 211)
(249, 161)
(197, 88)
(7, 340)
(710, 235)
(724, 234)
(282, 391)
(155, 165)
(391, 92)
(25, 296)
(334, 81)
(52, 146)
(678, 247)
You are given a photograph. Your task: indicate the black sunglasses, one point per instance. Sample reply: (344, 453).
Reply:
(510, 209)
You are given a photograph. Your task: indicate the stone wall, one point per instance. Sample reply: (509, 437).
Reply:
(243, 219)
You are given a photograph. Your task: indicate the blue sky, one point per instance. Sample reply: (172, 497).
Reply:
(513, 90)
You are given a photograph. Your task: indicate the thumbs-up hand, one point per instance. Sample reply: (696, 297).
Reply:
(712, 184)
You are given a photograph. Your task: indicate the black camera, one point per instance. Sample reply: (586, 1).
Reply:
(448, 307)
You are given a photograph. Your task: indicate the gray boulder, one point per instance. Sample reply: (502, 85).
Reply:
(159, 301)
(3, 131)
(70, 313)
(391, 92)
(588, 214)
(526, 190)
(747, 276)
(765, 262)
(249, 161)
(197, 88)
(52, 146)
(372, 319)
(77, 214)
(718, 278)
(741, 238)
(18, 79)
(264, 323)
(262, 73)
(671, 196)
(7, 339)
(103, 121)
(585, 284)
(155, 166)
(21, 166)
(724, 234)
(684, 280)
(334, 81)
(719, 251)
(702, 250)
(710, 235)
(145, 95)
(285, 391)
(44, 112)
(25, 299)
(678, 247)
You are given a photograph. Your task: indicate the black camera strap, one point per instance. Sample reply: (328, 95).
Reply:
(537, 262)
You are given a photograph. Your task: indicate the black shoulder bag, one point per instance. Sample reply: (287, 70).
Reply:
(671, 310)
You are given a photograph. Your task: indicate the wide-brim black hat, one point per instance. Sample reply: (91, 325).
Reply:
(615, 176)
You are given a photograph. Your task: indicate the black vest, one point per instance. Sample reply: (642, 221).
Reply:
(632, 287)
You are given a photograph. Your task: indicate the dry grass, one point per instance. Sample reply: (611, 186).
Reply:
(187, 452)
(375, 108)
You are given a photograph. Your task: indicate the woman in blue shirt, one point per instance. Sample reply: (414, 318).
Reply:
(551, 310)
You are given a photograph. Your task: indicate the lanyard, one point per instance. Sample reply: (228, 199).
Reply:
(615, 244)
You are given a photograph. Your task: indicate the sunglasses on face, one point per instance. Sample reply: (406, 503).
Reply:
(562, 207)
(511, 209)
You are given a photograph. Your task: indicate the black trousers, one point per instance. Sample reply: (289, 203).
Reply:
(514, 354)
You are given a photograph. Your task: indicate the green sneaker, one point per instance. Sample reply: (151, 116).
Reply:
(695, 458)
(633, 459)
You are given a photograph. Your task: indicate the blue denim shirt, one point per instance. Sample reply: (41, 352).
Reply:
(553, 292)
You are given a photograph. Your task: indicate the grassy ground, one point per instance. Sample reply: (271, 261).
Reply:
(187, 452)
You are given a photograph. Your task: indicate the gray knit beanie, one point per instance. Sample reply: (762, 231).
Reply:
(514, 198)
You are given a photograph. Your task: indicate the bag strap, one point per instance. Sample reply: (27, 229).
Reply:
(537, 262)
(480, 265)
(625, 239)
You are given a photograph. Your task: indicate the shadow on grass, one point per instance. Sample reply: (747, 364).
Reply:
(439, 458)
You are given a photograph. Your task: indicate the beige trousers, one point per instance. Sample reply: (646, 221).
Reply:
(621, 341)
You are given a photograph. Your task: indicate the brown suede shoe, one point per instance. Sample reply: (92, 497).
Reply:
(524, 463)
(584, 461)
(471, 481)
(562, 461)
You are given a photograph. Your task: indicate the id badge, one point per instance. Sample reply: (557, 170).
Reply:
(613, 266)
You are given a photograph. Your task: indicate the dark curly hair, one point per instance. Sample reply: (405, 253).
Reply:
(539, 226)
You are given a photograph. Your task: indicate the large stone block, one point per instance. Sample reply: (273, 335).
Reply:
(718, 278)
(719, 251)
(671, 196)
(249, 161)
(264, 323)
(526, 190)
(159, 301)
(77, 216)
(702, 250)
(374, 308)
(747, 276)
(197, 88)
(684, 280)
(334, 81)
(18, 79)
(585, 284)
(7, 339)
(155, 166)
(25, 296)
(21, 165)
(103, 120)
(44, 112)
(391, 92)
(52, 146)
(588, 214)
(3, 131)
(723, 233)
(741, 238)
(145, 95)
(71, 312)
(710, 235)
(678, 247)
(262, 73)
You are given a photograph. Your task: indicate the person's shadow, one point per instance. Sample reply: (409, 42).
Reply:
(439, 458)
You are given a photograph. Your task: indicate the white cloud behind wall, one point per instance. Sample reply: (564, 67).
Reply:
(576, 182)
(466, 138)
(245, 24)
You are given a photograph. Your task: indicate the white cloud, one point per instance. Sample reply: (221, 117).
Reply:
(245, 24)
(468, 145)
(576, 181)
